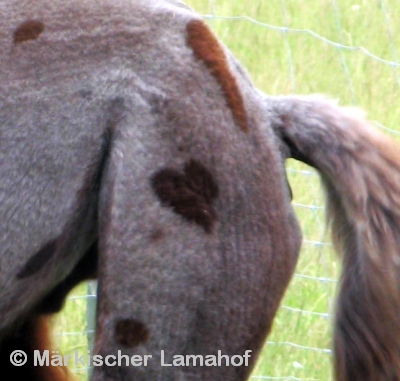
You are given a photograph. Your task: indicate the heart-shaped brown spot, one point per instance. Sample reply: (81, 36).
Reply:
(189, 194)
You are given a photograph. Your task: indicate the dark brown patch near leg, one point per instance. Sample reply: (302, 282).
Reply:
(190, 195)
(130, 333)
(33, 335)
(207, 49)
(39, 260)
(28, 30)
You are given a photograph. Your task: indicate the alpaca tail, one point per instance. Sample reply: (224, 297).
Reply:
(360, 170)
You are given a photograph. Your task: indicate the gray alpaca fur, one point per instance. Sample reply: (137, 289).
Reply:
(104, 107)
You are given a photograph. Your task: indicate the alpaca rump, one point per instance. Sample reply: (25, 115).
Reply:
(135, 148)
(360, 170)
(120, 130)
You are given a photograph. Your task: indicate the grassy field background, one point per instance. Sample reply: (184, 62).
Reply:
(303, 47)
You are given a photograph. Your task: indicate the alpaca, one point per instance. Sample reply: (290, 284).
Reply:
(136, 149)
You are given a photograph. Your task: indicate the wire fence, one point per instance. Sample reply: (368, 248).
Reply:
(343, 48)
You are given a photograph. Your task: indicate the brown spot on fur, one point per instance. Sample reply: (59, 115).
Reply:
(38, 260)
(207, 49)
(130, 332)
(157, 235)
(28, 30)
(190, 195)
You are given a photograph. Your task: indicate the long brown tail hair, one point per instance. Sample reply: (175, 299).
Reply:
(360, 170)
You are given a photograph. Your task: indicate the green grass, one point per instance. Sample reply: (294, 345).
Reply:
(298, 62)
(71, 328)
